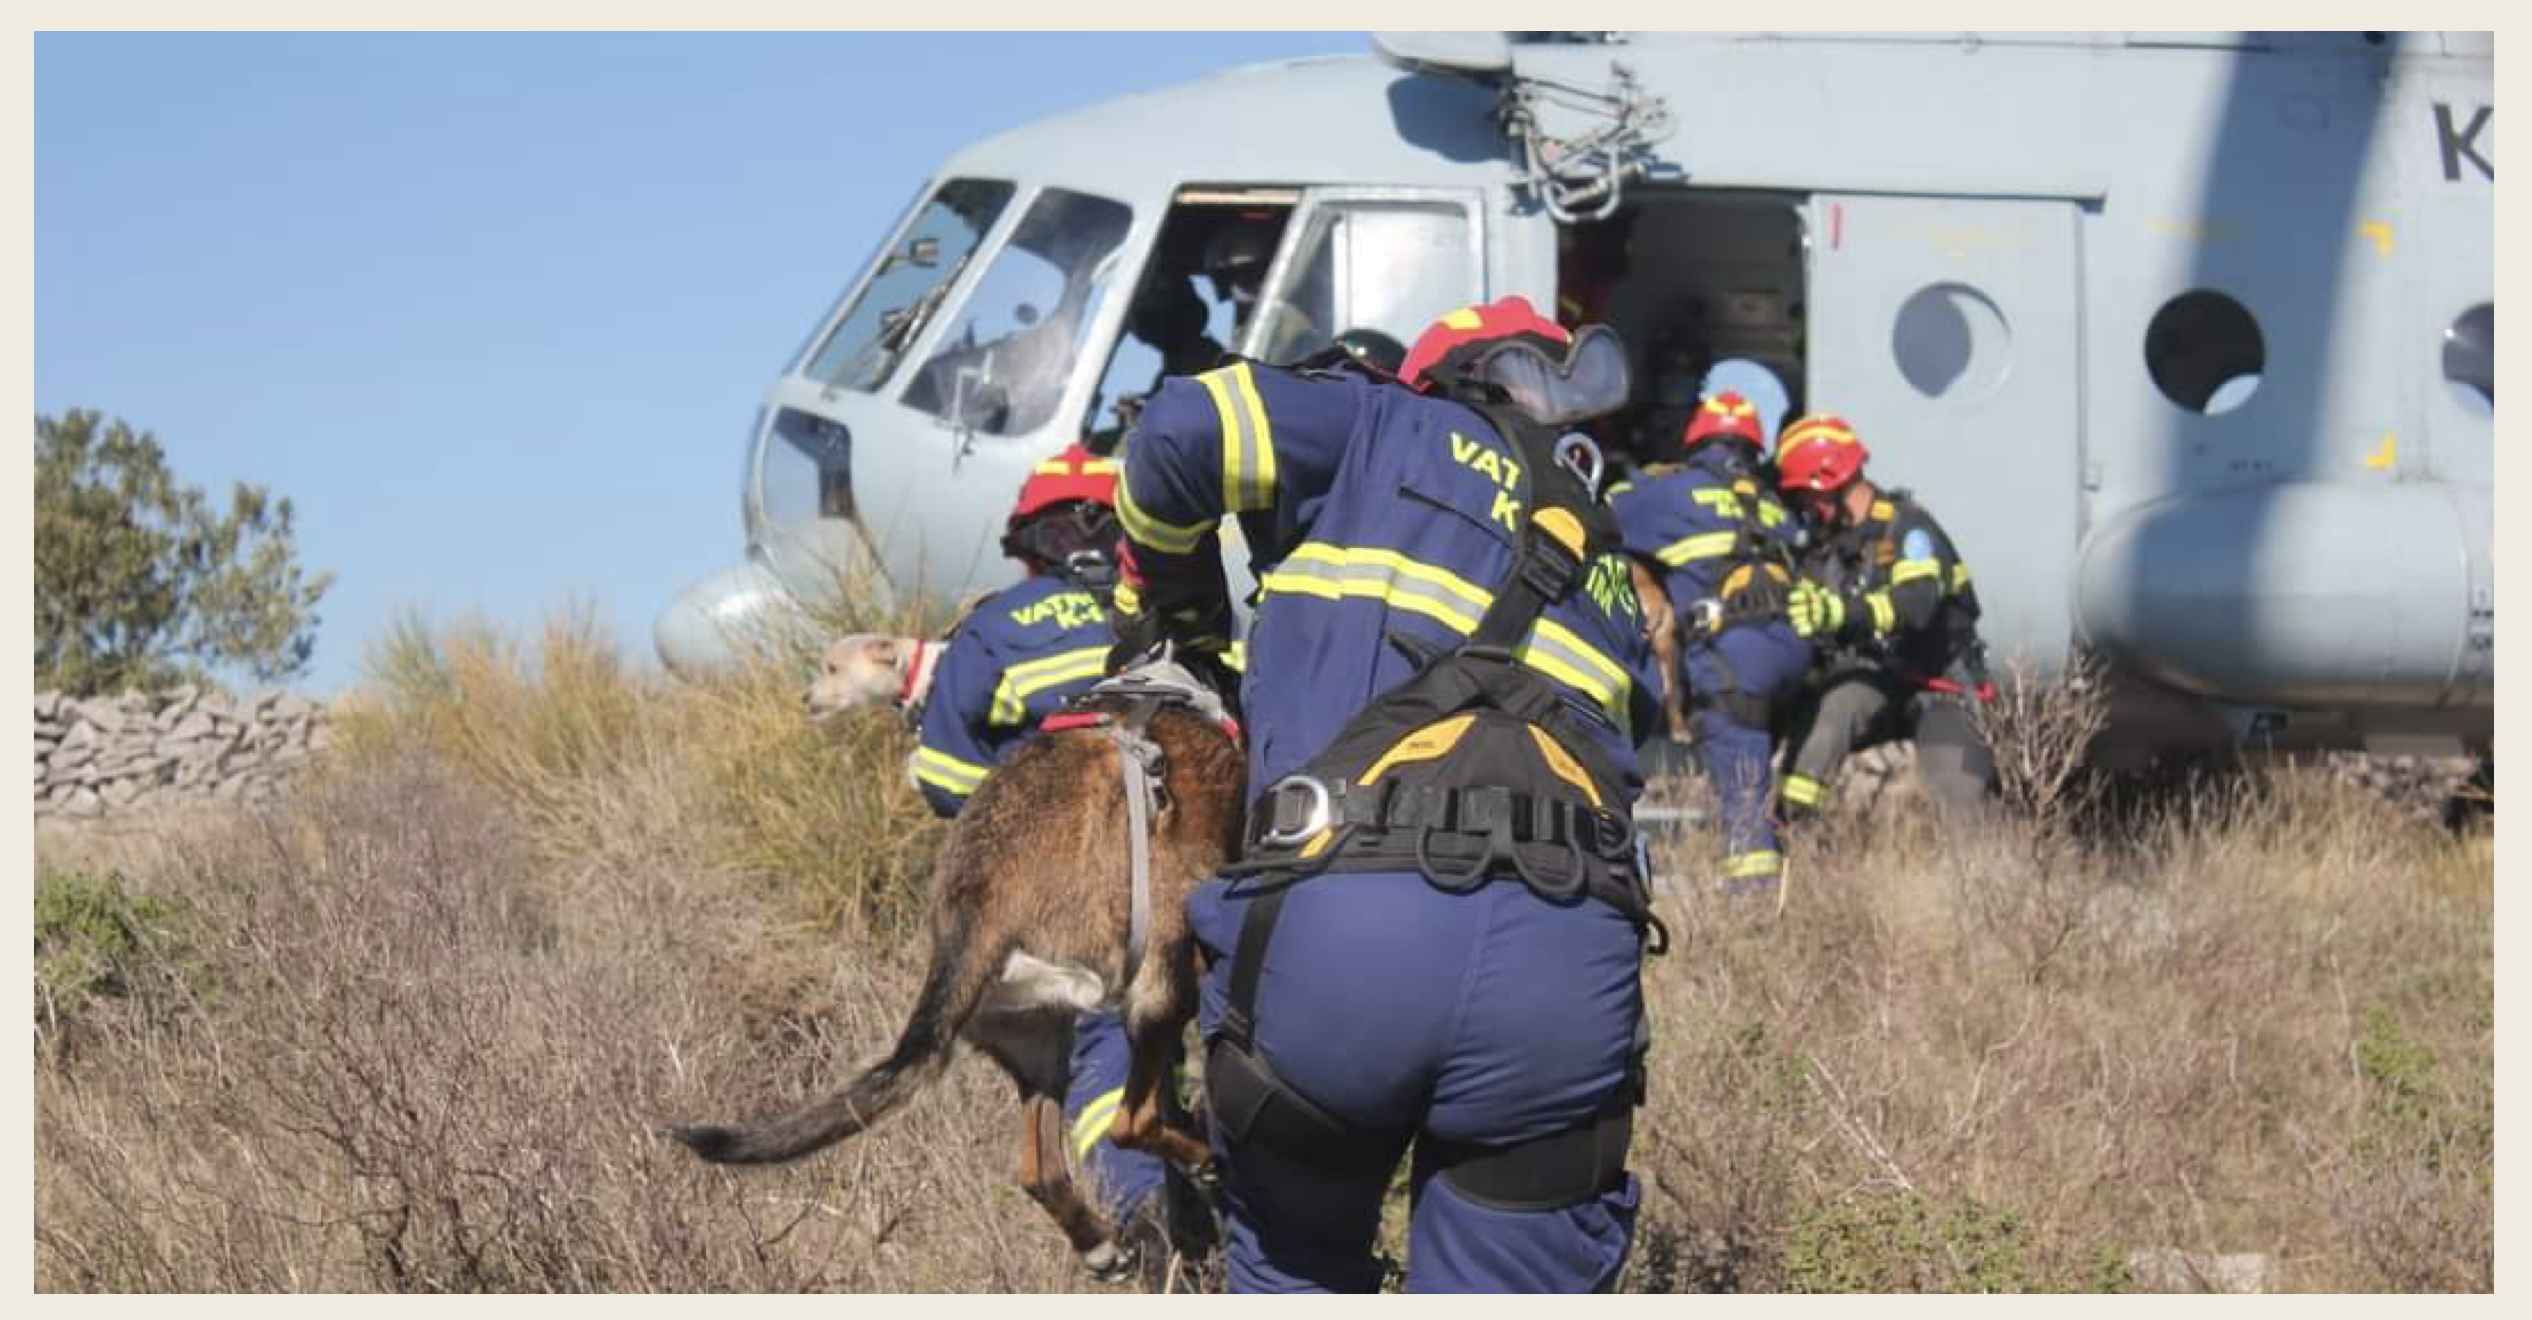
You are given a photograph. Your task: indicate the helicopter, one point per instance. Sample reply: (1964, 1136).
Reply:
(2189, 336)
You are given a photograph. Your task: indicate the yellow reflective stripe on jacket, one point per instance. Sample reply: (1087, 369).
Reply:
(1705, 545)
(1960, 578)
(1726, 504)
(1334, 572)
(1909, 570)
(1151, 531)
(944, 771)
(1022, 681)
(1804, 791)
(1095, 1120)
(1753, 865)
(1555, 650)
(1248, 442)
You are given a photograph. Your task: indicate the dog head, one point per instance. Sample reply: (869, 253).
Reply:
(867, 669)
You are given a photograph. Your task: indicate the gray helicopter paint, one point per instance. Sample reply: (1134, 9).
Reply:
(2063, 187)
(1994, 451)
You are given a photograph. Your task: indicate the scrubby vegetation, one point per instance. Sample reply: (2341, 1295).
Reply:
(416, 1028)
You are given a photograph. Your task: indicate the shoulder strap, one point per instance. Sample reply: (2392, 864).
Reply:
(1564, 528)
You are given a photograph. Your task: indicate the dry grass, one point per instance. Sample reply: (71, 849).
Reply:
(417, 1028)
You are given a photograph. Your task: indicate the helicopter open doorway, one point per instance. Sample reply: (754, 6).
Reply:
(1691, 279)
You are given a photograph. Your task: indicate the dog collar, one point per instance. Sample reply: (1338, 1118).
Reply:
(918, 673)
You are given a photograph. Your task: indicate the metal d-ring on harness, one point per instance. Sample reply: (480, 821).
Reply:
(1459, 774)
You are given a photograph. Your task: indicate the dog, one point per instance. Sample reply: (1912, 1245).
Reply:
(1031, 922)
(1662, 626)
(865, 670)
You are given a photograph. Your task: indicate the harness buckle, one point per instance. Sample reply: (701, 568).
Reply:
(1706, 613)
(1318, 812)
(1547, 567)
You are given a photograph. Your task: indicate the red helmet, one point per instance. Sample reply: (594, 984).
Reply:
(1452, 340)
(1819, 452)
(1727, 415)
(1075, 474)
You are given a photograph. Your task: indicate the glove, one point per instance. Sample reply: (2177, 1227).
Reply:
(1814, 610)
(1196, 630)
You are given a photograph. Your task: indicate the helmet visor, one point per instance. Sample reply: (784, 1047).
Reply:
(1590, 380)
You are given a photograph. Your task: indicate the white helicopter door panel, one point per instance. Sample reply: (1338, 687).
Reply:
(1386, 259)
(1948, 330)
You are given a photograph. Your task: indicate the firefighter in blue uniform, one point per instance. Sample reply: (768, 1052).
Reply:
(1885, 596)
(1436, 929)
(1725, 548)
(1019, 655)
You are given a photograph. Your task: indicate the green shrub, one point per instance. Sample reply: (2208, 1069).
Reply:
(1899, 1242)
(94, 938)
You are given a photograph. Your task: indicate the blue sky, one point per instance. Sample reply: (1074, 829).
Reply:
(494, 312)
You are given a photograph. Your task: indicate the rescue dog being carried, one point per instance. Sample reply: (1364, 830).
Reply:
(1038, 913)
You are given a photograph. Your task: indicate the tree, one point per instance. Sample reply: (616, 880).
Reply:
(140, 584)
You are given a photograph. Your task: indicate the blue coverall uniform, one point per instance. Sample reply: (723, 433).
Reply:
(1704, 522)
(1492, 1016)
(1017, 658)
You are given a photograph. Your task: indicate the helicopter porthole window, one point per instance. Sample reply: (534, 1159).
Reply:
(1951, 342)
(2470, 359)
(2205, 352)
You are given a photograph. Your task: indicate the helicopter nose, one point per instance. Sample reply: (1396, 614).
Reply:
(703, 629)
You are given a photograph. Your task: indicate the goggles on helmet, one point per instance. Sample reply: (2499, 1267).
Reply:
(1589, 379)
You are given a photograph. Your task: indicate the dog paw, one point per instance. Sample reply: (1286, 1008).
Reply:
(1111, 1262)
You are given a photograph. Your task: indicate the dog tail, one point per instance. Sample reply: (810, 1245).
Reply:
(956, 982)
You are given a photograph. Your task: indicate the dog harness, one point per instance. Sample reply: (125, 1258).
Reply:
(1145, 688)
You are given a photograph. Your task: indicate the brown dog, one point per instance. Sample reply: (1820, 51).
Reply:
(1030, 922)
(1662, 625)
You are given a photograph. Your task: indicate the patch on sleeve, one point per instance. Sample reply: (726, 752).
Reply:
(1918, 545)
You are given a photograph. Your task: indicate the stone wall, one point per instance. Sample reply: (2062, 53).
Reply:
(115, 754)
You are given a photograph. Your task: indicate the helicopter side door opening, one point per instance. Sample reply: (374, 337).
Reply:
(1690, 280)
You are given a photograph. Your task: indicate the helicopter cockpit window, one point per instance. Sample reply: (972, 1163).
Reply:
(908, 283)
(1002, 367)
(806, 472)
(1196, 293)
(1390, 266)
(2470, 358)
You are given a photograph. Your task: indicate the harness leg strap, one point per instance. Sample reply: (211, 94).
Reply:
(1544, 1173)
(1554, 1171)
(1248, 1101)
